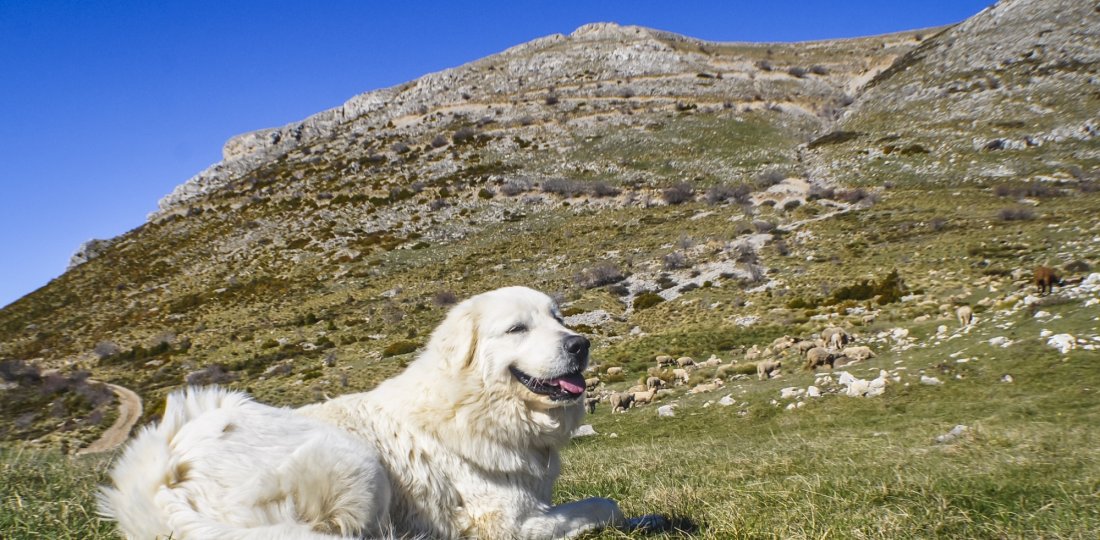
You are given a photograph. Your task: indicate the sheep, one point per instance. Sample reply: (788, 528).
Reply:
(590, 404)
(621, 401)
(708, 387)
(615, 370)
(713, 361)
(806, 345)
(782, 344)
(965, 315)
(817, 357)
(858, 354)
(681, 375)
(835, 337)
(753, 354)
(591, 383)
(636, 388)
(685, 361)
(1046, 279)
(665, 360)
(654, 382)
(766, 368)
(642, 398)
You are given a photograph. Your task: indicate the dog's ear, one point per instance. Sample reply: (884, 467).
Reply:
(454, 342)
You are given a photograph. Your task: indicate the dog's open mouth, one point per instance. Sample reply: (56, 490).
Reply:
(565, 387)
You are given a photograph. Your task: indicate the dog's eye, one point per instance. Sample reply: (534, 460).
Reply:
(517, 328)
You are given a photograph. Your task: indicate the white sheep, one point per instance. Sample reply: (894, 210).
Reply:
(753, 354)
(590, 404)
(819, 357)
(858, 354)
(713, 361)
(642, 398)
(765, 368)
(835, 337)
(591, 383)
(665, 360)
(708, 387)
(654, 382)
(685, 361)
(806, 345)
(616, 370)
(621, 402)
(782, 344)
(965, 315)
(681, 375)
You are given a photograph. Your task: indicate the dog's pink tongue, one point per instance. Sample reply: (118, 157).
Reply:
(574, 384)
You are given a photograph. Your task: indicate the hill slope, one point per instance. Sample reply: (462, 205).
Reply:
(682, 197)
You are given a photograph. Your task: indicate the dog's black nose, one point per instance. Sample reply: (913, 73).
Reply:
(576, 346)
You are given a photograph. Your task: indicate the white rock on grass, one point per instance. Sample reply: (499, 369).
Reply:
(813, 392)
(1042, 314)
(1007, 378)
(930, 381)
(1063, 342)
(955, 433)
(666, 411)
(1000, 341)
(790, 392)
(726, 401)
(585, 431)
(1045, 333)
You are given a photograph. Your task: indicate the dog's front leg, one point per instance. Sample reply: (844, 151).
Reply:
(569, 520)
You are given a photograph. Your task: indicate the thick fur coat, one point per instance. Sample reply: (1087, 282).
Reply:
(463, 444)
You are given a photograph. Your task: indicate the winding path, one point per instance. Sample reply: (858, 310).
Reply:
(129, 412)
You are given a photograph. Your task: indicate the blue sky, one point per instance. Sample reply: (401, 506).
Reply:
(106, 106)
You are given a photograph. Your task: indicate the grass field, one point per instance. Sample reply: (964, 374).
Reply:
(838, 467)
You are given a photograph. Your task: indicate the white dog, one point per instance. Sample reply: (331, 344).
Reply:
(464, 443)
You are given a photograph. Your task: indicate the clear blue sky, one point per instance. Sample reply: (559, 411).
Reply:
(106, 106)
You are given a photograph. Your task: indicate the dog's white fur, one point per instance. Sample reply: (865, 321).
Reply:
(453, 447)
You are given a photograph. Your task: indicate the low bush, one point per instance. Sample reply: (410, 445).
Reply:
(398, 348)
(647, 300)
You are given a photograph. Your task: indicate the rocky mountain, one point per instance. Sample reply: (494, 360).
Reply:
(681, 196)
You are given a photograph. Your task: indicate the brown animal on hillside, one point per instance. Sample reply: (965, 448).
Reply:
(1046, 279)
(819, 357)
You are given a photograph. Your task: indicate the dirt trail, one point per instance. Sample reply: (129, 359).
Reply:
(129, 412)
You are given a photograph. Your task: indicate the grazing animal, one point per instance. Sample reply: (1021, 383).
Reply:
(464, 443)
(708, 387)
(654, 382)
(685, 362)
(1046, 279)
(665, 360)
(591, 383)
(804, 346)
(858, 354)
(642, 398)
(682, 375)
(590, 404)
(835, 337)
(781, 344)
(615, 370)
(620, 402)
(965, 315)
(753, 354)
(818, 357)
(765, 368)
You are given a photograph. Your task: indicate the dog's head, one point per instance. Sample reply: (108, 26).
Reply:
(513, 342)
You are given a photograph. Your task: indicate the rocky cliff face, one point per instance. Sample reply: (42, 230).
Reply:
(605, 68)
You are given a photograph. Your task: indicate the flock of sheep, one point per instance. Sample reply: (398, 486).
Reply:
(831, 346)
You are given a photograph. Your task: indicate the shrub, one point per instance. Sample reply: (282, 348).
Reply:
(819, 70)
(103, 349)
(563, 187)
(439, 141)
(795, 71)
(764, 65)
(647, 300)
(603, 189)
(398, 348)
(1077, 267)
(551, 99)
(463, 135)
(820, 192)
(679, 193)
(937, 224)
(444, 298)
(400, 147)
(1016, 214)
(485, 193)
(723, 193)
(769, 178)
(762, 226)
(514, 187)
(856, 195)
(597, 276)
(674, 261)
